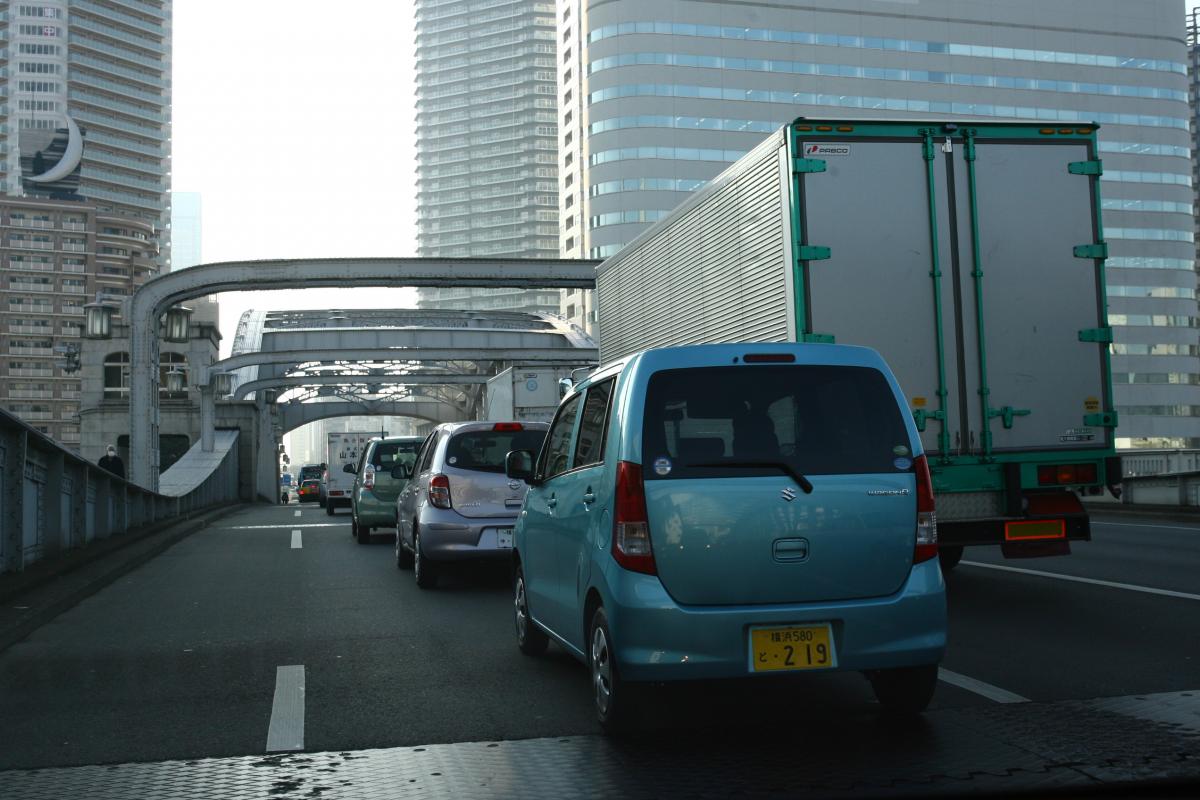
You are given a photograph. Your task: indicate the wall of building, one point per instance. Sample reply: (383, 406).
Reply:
(664, 94)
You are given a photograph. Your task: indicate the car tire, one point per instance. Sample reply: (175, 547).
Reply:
(531, 640)
(328, 508)
(949, 556)
(404, 558)
(361, 533)
(424, 570)
(321, 502)
(906, 691)
(613, 697)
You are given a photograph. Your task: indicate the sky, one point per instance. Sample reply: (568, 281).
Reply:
(296, 126)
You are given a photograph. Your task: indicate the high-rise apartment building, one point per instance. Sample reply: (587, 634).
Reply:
(659, 96)
(1193, 63)
(487, 141)
(84, 195)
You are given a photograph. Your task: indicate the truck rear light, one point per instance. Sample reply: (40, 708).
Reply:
(508, 426)
(439, 491)
(1065, 474)
(769, 358)
(369, 477)
(926, 546)
(631, 546)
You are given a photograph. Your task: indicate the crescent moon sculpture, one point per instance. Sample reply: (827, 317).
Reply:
(70, 159)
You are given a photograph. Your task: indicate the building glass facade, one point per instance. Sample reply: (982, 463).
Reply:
(487, 141)
(659, 96)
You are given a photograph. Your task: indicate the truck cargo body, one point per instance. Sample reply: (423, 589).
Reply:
(524, 394)
(969, 254)
(344, 448)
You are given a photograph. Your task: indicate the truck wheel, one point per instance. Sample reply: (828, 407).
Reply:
(906, 691)
(424, 570)
(328, 508)
(950, 555)
(321, 502)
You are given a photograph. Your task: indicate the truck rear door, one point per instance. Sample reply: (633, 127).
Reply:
(971, 264)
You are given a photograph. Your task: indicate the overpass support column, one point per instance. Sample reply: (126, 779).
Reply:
(208, 418)
(266, 456)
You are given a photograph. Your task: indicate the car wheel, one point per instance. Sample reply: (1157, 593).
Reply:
(610, 693)
(423, 569)
(328, 508)
(531, 639)
(321, 502)
(906, 691)
(404, 559)
(950, 556)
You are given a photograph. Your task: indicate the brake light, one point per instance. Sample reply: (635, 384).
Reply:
(369, 477)
(926, 546)
(631, 531)
(769, 358)
(439, 491)
(508, 426)
(1063, 474)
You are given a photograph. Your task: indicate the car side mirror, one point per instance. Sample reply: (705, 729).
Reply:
(402, 471)
(349, 468)
(518, 464)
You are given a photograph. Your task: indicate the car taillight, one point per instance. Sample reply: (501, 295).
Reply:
(1062, 474)
(926, 546)
(508, 426)
(631, 530)
(369, 477)
(439, 491)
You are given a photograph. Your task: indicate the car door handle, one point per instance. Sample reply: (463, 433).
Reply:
(552, 502)
(588, 498)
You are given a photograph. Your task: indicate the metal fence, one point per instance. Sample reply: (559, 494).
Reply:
(52, 500)
(1159, 462)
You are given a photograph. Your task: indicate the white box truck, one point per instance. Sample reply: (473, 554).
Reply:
(970, 254)
(345, 447)
(524, 394)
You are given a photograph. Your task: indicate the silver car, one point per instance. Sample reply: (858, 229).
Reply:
(459, 504)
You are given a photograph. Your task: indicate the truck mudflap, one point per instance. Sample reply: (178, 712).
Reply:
(1052, 520)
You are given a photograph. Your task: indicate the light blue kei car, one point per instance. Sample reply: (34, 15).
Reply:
(733, 510)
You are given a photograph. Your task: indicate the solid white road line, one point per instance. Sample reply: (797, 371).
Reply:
(994, 693)
(296, 543)
(1192, 528)
(1093, 581)
(297, 512)
(286, 731)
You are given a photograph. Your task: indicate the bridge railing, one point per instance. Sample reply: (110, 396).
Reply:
(52, 500)
(1159, 462)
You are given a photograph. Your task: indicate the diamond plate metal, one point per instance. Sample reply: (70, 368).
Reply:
(998, 749)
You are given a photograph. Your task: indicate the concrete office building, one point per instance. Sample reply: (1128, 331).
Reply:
(658, 96)
(486, 141)
(84, 160)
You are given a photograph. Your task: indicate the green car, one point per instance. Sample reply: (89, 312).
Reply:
(377, 483)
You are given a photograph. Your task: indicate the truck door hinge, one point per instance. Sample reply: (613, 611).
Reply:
(809, 252)
(1102, 335)
(920, 416)
(1007, 414)
(1102, 419)
(1095, 167)
(809, 165)
(1097, 250)
(817, 338)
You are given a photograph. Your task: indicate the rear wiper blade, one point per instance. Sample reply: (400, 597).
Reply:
(782, 466)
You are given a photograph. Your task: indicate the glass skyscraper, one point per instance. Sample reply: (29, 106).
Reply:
(487, 141)
(658, 96)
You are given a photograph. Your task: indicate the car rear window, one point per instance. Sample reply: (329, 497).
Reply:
(389, 454)
(819, 420)
(485, 450)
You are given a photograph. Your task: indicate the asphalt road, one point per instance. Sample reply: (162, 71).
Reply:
(179, 659)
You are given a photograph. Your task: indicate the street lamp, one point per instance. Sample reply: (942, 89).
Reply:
(175, 380)
(222, 383)
(97, 319)
(178, 320)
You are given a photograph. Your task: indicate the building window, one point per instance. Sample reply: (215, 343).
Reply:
(116, 376)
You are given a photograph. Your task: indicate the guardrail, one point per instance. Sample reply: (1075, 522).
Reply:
(53, 500)
(1158, 462)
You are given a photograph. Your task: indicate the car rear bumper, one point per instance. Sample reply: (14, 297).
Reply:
(656, 639)
(449, 536)
(373, 512)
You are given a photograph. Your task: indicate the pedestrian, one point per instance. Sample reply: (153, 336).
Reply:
(112, 462)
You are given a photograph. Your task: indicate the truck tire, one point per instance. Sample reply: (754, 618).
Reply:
(949, 556)
(328, 507)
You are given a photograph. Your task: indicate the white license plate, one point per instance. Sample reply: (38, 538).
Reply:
(504, 538)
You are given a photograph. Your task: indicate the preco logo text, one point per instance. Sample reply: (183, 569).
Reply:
(826, 149)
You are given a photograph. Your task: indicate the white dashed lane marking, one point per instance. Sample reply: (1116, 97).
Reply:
(1129, 587)
(994, 693)
(286, 730)
(296, 542)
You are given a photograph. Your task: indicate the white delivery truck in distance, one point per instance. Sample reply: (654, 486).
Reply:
(524, 394)
(968, 253)
(344, 448)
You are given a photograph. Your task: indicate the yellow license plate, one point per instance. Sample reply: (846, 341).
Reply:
(792, 648)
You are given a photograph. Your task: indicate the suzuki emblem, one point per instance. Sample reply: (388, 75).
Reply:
(514, 485)
(788, 494)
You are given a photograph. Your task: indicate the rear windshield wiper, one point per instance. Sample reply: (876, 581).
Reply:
(782, 466)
